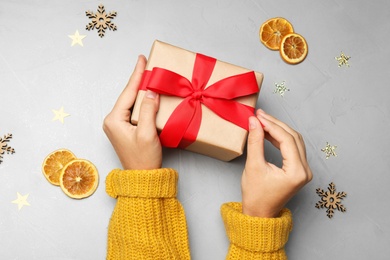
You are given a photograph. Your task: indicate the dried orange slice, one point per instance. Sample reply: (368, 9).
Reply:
(79, 179)
(54, 163)
(273, 30)
(293, 48)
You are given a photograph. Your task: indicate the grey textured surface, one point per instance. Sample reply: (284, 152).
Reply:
(347, 107)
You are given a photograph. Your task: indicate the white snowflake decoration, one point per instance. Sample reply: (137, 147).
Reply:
(329, 150)
(343, 60)
(281, 88)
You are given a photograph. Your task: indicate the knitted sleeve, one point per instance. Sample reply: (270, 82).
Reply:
(253, 237)
(148, 222)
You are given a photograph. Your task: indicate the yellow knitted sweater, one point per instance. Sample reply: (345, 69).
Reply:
(148, 221)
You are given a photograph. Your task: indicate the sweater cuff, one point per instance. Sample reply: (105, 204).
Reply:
(158, 183)
(254, 233)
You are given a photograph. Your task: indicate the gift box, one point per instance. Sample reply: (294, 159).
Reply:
(204, 103)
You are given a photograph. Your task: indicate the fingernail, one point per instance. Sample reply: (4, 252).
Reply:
(150, 94)
(140, 57)
(263, 120)
(252, 123)
(260, 111)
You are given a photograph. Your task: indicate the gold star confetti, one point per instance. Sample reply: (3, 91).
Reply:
(331, 200)
(21, 200)
(77, 38)
(343, 60)
(59, 115)
(329, 150)
(281, 88)
(101, 20)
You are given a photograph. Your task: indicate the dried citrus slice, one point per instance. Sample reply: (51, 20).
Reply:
(273, 30)
(293, 48)
(53, 164)
(79, 179)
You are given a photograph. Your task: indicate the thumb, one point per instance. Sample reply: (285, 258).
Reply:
(147, 114)
(255, 146)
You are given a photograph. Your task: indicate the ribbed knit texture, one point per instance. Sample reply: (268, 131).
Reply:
(148, 222)
(255, 238)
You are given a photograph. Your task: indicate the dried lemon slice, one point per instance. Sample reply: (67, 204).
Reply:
(79, 179)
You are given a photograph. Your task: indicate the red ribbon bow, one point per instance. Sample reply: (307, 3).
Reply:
(183, 125)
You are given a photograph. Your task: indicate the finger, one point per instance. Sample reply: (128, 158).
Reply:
(128, 95)
(147, 115)
(276, 121)
(267, 136)
(255, 145)
(297, 137)
(284, 140)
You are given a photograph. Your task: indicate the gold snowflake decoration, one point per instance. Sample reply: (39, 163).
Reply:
(331, 200)
(329, 150)
(101, 20)
(343, 60)
(281, 88)
(4, 148)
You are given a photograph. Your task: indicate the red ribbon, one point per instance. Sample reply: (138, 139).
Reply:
(183, 125)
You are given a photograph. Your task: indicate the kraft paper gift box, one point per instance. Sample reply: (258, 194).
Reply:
(194, 112)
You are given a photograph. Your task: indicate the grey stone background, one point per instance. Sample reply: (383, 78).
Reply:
(347, 107)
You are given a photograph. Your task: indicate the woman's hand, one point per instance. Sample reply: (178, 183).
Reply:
(267, 188)
(138, 147)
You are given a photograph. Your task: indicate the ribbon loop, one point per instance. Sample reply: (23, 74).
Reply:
(183, 125)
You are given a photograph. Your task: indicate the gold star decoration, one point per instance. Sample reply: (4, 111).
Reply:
(331, 200)
(77, 38)
(281, 88)
(343, 60)
(21, 200)
(101, 20)
(329, 150)
(60, 115)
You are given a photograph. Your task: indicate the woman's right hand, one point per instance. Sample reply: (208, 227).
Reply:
(267, 188)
